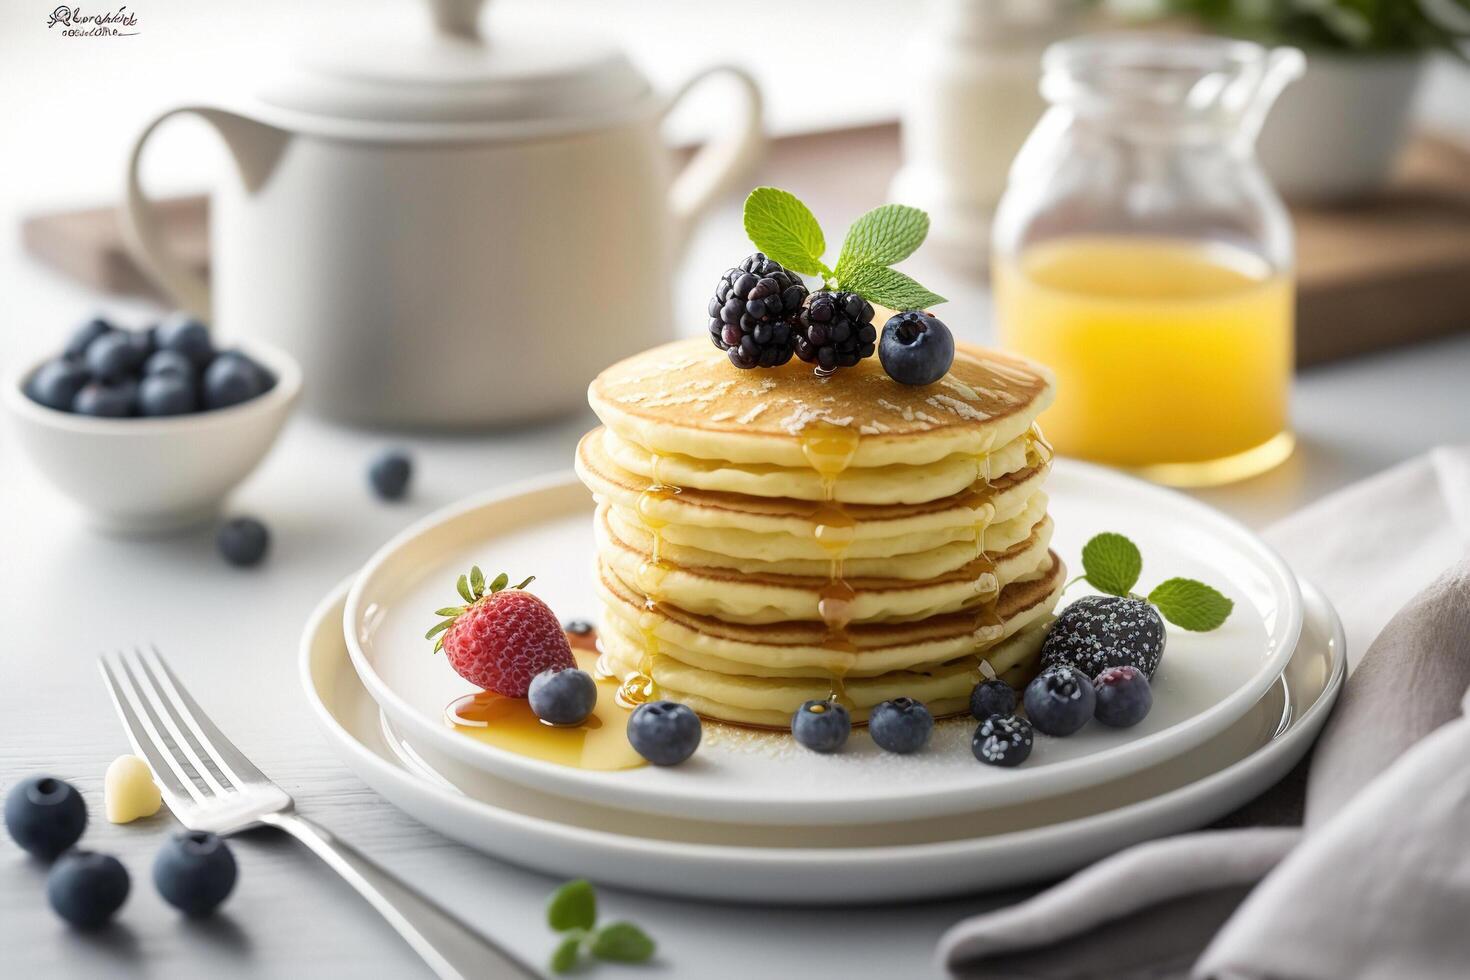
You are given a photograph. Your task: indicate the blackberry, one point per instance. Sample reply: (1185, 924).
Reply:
(752, 310)
(835, 330)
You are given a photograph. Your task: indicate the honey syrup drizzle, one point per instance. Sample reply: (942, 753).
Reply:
(830, 449)
(639, 686)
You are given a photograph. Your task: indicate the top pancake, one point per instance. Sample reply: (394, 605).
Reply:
(686, 398)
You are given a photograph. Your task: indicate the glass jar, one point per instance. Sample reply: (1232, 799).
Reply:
(1140, 252)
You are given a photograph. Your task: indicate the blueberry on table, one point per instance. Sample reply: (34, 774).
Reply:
(1059, 700)
(389, 474)
(563, 697)
(82, 337)
(231, 379)
(916, 348)
(102, 400)
(1101, 631)
(1123, 696)
(113, 356)
(243, 541)
(992, 697)
(901, 726)
(194, 872)
(187, 336)
(86, 888)
(822, 726)
(664, 732)
(169, 362)
(166, 394)
(45, 815)
(1002, 740)
(56, 383)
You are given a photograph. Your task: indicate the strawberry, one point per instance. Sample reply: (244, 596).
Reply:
(501, 638)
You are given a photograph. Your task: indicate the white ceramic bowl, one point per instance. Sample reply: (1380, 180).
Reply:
(146, 475)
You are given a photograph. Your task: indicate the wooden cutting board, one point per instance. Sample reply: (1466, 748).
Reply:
(1390, 271)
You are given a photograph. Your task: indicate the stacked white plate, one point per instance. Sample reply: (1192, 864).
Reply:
(753, 814)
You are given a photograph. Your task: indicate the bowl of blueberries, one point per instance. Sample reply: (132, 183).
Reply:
(148, 430)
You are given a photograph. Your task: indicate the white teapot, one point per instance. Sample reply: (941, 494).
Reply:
(450, 230)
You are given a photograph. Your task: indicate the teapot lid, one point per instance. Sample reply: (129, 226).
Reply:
(453, 82)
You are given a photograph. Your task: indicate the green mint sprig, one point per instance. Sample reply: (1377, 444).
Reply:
(784, 228)
(1111, 563)
(572, 911)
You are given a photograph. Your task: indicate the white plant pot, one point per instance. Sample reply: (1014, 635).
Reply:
(1336, 133)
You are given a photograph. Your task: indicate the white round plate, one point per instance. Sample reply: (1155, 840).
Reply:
(858, 864)
(1206, 680)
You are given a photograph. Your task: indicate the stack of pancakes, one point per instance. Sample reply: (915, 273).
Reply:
(767, 537)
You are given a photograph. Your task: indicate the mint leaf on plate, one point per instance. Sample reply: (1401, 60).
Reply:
(572, 906)
(567, 952)
(1191, 605)
(1112, 563)
(786, 230)
(621, 942)
(883, 236)
(887, 287)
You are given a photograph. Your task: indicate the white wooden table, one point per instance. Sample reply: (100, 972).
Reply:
(67, 593)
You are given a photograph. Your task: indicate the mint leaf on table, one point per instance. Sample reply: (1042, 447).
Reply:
(1111, 563)
(1191, 605)
(883, 236)
(887, 287)
(786, 230)
(567, 952)
(621, 942)
(572, 906)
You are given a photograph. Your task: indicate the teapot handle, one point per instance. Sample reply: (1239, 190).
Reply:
(255, 147)
(720, 161)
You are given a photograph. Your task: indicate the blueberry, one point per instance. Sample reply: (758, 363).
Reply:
(1059, 700)
(45, 815)
(194, 872)
(577, 627)
(822, 726)
(81, 339)
(389, 473)
(563, 697)
(1002, 740)
(169, 362)
(113, 356)
(86, 888)
(916, 349)
(664, 732)
(187, 336)
(1123, 696)
(992, 697)
(242, 541)
(1101, 631)
(166, 394)
(231, 379)
(114, 401)
(901, 726)
(56, 383)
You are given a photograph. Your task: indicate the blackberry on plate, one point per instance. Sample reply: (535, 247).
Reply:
(835, 330)
(1101, 631)
(752, 310)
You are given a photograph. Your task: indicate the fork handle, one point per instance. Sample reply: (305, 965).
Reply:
(451, 948)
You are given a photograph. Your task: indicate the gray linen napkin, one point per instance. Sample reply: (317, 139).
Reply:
(1357, 897)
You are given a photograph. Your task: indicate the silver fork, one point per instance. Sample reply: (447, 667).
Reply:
(209, 785)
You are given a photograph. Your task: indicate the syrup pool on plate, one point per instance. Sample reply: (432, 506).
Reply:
(600, 742)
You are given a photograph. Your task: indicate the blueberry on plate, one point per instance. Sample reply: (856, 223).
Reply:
(664, 732)
(56, 383)
(113, 356)
(1101, 631)
(166, 394)
(111, 401)
(242, 541)
(231, 379)
(389, 474)
(1059, 700)
(194, 872)
(1002, 740)
(1123, 696)
(822, 726)
(901, 726)
(916, 348)
(169, 362)
(82, 337)
(86, 888)
(563, 697)
(45, 815)
(187, 336)
(992, 697)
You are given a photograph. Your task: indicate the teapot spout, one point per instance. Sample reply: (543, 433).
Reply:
(1281, 67)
